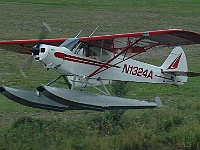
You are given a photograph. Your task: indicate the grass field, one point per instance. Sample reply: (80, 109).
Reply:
(175, 126)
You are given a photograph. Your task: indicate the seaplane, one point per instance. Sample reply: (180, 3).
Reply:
(95, 61)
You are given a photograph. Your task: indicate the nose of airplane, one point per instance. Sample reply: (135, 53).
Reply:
(35, 50)
(43, 52)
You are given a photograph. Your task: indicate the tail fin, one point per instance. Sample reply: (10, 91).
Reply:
(176, 61)
(176, 65)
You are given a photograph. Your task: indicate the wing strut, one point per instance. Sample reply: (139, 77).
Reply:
(26, 49)
(124, 50)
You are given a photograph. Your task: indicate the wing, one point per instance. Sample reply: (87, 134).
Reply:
(23, 46)
(143, 40)
(136, 43)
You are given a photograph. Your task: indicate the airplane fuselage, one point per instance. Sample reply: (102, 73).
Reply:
(66, 62)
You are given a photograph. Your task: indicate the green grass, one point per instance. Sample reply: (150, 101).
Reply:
(175, 126)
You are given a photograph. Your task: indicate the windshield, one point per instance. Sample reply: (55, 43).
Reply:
(70, 43)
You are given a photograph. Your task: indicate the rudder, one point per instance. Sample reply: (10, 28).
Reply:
(176, 66)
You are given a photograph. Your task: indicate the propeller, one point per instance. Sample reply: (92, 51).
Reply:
(44, 31)
(24, 70)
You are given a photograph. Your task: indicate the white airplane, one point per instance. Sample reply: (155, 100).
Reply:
(97, 61)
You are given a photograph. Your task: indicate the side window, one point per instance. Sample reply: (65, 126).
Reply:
(91, 52)
(99, 54)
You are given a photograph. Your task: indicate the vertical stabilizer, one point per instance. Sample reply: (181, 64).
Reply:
(176, 66)
(176, 61)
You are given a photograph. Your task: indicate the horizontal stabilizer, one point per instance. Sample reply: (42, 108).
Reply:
(93, 101)
(182, 73)
(193, 74)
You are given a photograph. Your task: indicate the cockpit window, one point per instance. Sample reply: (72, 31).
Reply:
(83, 49)
(70, 43)
(93, 52)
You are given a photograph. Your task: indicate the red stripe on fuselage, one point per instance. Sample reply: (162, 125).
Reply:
(81, 60)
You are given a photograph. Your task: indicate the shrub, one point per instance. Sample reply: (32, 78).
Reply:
(120, 88)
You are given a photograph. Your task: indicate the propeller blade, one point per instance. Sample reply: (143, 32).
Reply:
(24, 70)
(45, 30)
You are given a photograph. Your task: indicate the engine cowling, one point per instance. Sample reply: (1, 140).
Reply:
(46, 56)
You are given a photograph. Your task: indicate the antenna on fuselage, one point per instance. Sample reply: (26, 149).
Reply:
(78, 34)
(94, 31)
